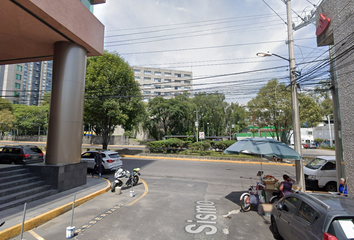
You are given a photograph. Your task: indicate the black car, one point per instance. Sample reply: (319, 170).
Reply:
(313, 216)
(21, 154)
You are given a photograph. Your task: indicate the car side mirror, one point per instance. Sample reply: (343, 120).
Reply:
(279, 207)
(285, 208)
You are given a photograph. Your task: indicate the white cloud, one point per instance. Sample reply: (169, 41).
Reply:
(252, 22)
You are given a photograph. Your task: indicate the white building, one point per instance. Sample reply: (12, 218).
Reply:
(162, 82)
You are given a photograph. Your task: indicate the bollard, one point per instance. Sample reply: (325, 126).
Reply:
(70, 230)
(23, 221)
(118, 190)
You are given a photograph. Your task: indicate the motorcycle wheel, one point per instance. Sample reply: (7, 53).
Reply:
(113, 186)
(135, 180)
(245, 203)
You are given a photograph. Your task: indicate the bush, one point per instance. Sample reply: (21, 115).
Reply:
(166, 146)
(205, 153)
(319, 140)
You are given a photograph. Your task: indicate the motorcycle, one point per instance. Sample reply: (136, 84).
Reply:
(124, 177)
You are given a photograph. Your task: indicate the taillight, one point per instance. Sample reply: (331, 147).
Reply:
(25, 155)
(41, 154)
(110, 161)
(327, 236)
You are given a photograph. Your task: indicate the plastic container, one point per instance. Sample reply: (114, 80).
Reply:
(118, 190)
(70, 232)
(132, 194)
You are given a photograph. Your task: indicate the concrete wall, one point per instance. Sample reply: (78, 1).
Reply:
(340, 33)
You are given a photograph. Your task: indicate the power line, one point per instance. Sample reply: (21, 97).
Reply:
(274, 11)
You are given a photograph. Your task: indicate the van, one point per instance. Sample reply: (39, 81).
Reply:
(321, 172)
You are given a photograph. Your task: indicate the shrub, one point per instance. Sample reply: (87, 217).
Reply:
(319, 140)
(205, 153)
(166, 146)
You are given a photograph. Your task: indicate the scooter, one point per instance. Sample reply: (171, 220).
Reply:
(124, 177)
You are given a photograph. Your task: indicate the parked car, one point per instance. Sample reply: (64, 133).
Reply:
(309, 145)
(321, 172)
(112, 160)
(313, 216)
(21, 154)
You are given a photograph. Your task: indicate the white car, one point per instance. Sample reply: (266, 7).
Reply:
(321, 172)
(112, 160)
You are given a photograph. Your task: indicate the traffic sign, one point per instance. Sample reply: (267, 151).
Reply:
(201, 135)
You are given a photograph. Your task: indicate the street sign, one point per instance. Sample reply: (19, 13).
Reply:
(196, 124)
(232, 125)
(201, 135)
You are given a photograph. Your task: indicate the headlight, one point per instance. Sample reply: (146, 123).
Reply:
(313, 177)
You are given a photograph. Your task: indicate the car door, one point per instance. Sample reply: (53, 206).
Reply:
(303, 222)
(328, 173)
(287, 217)
(89, 158)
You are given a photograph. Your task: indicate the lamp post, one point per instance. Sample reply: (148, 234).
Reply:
(329, 129)
(208, 128)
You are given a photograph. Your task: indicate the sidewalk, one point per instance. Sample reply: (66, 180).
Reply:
(41, 211)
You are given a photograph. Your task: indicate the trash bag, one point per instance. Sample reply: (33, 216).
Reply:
(254, 199)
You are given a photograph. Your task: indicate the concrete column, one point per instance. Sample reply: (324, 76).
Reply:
(67, 104)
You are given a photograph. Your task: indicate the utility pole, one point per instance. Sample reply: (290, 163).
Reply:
(294, 99)
(196, 124)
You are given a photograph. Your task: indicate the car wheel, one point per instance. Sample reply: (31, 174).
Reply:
(275, 231)
(331, 187)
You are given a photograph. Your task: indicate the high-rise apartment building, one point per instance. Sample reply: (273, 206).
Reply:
(25, 83)
(163, 82)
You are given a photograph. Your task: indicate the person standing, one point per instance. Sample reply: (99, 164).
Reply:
(286, 185)
(342, 187)
(98, 164)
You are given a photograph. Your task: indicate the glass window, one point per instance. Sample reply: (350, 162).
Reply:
(147, 78)
(329, 166)
(157, 79)
(177, 93)
(157, 93)
(316, 163)
(167, 93)
(147, 85)
(187, 75)
(136, 71)
(19, 68)
(187, 88)
(137, 78)
(306, 212)
(157, 73)
(177, 81)
(167, 87)
(177, 88)
(16, 94)
(15, 102)
(114, 155)
(157, 87)
(187, 82)
(17, 85)
(178, 75)
(167, 80)
(290, 205)
(146, 92)
(146, 99)
(18, 76)
(147, 72)
(12, 150)
(167, 74)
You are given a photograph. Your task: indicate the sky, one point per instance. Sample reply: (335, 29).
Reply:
(216, 40)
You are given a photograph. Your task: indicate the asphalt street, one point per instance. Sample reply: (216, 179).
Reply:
(184, 200)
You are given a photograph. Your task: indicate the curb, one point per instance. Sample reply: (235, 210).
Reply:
(210, 160)
(36, 221)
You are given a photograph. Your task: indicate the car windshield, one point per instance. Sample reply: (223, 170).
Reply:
(114, 155)
(316, 163)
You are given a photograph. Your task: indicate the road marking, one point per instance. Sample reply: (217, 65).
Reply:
(35, 235)
(145, 192)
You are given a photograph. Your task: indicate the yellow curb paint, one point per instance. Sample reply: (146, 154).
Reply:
(145, 192)
(45, 217)
(35, 235)
(208, 160)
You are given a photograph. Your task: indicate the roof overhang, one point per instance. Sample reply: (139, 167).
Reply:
(29, 29)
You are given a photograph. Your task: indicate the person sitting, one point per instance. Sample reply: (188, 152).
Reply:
(342, 187)
(286, 186)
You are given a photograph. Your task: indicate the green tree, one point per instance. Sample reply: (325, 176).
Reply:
(30, 118)
(112, 96)
(7, 120)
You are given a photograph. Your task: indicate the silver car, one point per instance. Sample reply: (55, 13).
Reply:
(111, 160)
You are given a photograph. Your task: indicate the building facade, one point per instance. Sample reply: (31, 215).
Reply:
(26, 83)
(163, 82)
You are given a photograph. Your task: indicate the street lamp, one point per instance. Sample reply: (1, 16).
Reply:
(208, 128)
(295, 109)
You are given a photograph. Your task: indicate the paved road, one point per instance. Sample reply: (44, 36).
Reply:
(178, 192)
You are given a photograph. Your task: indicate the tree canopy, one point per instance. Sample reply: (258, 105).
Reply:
(112, 96)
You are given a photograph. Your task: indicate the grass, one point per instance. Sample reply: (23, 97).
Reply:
(217, 154)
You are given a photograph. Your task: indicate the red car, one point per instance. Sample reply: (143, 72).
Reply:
(306, 145)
